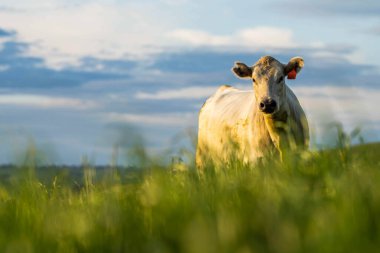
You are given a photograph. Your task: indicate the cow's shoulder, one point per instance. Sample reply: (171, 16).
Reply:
(229, 100)
(224, 87)
(211, 100)
(220, 92)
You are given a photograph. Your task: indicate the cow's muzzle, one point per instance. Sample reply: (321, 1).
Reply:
(268, 106)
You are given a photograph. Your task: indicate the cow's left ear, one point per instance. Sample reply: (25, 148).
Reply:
(293, 67)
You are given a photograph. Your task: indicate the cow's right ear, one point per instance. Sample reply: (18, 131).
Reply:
(241, 70)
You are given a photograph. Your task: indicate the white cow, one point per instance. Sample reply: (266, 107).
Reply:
(261, 123)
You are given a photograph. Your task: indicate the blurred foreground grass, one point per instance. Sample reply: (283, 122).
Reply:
(329, 202)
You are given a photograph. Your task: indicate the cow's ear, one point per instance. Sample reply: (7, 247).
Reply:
(293, 67)
(241, 70)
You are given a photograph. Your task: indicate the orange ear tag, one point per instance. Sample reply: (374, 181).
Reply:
(292, 74)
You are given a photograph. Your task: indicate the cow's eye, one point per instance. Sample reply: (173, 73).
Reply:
(281, 79)
(253, 80)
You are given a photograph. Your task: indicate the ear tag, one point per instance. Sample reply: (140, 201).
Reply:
(292, 74)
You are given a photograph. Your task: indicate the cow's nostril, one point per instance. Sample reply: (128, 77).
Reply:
(272, 103)
(262, 105)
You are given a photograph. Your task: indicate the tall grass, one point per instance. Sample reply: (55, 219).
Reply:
(326, 202)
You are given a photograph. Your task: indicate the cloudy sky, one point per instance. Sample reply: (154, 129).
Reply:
(76, 75)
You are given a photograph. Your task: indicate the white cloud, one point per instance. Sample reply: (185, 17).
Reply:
(199, 38)
(194, 92)
(4, 68)
(352, 106)
(64, 33)
(267, 37)
(250, 38)
(175, 2)
(165, 119)
(110, 31)
(41, 101)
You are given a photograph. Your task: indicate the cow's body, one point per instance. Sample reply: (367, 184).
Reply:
(231, 126)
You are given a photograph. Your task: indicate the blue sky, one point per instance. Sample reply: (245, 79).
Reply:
(75, 74)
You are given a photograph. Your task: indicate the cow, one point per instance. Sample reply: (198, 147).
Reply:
(253, 125)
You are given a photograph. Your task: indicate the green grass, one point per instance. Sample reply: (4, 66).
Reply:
(328, 202)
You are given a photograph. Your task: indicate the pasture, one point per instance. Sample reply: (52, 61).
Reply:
(98, 98)
(328, 202)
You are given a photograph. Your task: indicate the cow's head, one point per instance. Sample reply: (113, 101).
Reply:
(268, 76)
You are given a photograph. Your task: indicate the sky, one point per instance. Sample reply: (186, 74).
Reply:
(81, 77)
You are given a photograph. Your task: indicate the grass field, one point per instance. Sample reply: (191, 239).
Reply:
(329, 202)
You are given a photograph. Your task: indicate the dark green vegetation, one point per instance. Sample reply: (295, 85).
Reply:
(324, 202)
